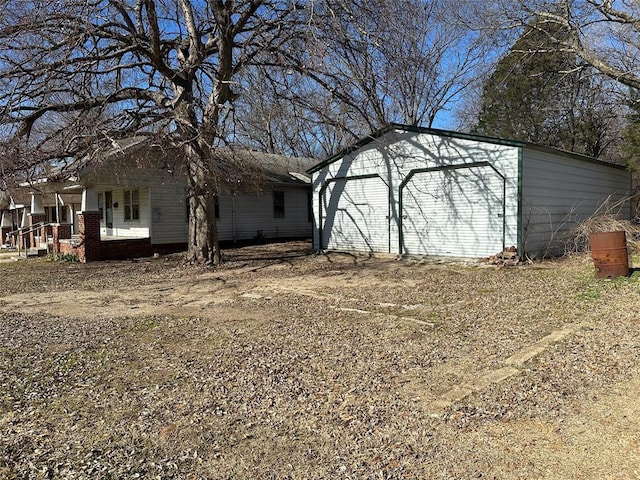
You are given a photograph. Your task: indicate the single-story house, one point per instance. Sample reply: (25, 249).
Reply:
(138, 194)
(411, 190)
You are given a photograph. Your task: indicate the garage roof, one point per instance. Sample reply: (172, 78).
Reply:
(449, 133)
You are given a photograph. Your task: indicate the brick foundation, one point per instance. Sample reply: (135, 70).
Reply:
(129, 248)
(111, 250)
(66, 247)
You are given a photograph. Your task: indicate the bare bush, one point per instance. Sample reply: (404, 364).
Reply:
(605, 219)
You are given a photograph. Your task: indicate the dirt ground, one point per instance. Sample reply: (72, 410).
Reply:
(284, 364)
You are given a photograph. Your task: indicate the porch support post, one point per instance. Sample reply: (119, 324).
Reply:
(5, 224)
(89, 201)
(36, 216)
(37, 207)
(24, 220)
(90, 248)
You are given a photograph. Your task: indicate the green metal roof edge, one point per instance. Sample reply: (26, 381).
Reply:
(465, 136)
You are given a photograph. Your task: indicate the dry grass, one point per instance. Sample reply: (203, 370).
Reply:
(605, 219)
(579, 236)
(287, 366)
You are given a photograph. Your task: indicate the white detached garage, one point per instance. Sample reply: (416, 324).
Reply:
(421, 191)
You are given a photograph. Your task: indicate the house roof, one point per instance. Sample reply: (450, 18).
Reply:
(278, 169)
(64, 198)
(452, 134)
(233, 164)
(236, 169)
(21, 196)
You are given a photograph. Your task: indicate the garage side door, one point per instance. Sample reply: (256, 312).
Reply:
(456, 212)
(355, 215)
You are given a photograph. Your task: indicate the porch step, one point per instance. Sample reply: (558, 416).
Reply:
(37, 252)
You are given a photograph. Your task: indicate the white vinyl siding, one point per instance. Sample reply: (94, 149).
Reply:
(241, 215)
(169, 213)
(247, 216)
(139, 228)
(163, 211)
(558, 192)
(457, 195)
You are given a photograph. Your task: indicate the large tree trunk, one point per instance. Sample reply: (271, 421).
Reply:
(203, 232)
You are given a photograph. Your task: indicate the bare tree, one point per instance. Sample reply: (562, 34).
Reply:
(404, 61)
(372, 62)
(287, 113)
(75, 75)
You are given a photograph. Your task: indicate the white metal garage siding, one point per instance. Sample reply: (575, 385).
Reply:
(453, 211)
(423, 191)
(355, 212)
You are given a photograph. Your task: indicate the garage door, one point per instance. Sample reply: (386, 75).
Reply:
(355, 215)
(453, 212)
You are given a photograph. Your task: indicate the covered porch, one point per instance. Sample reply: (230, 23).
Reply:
(68, 223)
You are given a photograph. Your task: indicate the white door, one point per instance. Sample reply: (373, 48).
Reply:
(454, 212)
(355, 215)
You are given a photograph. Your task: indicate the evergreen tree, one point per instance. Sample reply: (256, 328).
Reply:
(543, 94)
(631, 133)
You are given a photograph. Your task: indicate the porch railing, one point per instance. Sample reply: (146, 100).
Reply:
(22, 231)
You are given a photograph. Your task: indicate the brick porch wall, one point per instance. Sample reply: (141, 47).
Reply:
(68, 248)
(89, 227)
(91, 248)
(59, 232)
(111, 250)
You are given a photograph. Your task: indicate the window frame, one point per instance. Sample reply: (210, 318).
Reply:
(100, 196)
(279, 203)
(131, 207)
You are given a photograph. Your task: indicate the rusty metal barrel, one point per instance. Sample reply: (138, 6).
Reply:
(609, 254)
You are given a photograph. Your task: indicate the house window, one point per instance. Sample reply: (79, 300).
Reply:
(101, 205)
(51, 213)
(132, 204)
(278, 204)
(309, 207)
